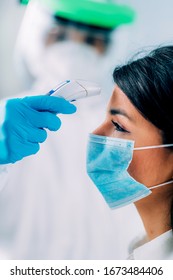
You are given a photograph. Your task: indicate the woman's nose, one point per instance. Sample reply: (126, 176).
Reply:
(101, 130)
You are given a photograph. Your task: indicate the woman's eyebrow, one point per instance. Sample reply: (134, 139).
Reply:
(114, 112)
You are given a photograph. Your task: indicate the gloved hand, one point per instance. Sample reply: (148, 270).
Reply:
(22, 123)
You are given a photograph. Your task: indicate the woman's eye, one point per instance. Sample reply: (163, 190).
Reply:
(118, 127)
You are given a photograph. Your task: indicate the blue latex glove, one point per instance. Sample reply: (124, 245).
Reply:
(22, 123)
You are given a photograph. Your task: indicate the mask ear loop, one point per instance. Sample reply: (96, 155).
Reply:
(153, 147)
(160, 185)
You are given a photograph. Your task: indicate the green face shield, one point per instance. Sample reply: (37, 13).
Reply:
(106, 14)
(24, 2)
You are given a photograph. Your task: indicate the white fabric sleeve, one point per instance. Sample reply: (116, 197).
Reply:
(3, 175)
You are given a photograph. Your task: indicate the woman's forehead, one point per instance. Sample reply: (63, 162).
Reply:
(120, 105)
(119, 99)
(120, 102)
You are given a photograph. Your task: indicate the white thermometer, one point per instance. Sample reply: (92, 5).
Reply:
(73, 90)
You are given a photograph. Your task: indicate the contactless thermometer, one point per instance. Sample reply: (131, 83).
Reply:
(73, 90)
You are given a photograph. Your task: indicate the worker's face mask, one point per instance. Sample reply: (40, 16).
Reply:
(73, 60)
(107, 162)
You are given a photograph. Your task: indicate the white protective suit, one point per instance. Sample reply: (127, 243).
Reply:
(49, 208)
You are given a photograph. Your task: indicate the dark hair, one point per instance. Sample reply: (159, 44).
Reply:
(148, 83)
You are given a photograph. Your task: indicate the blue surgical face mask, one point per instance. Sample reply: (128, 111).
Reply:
(107, 162)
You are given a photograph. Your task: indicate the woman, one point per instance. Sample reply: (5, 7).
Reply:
(130, 156)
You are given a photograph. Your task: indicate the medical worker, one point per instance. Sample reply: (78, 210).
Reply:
(135, 144)
(49, 208)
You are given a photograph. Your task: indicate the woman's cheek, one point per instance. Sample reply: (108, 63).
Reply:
(141, 166)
